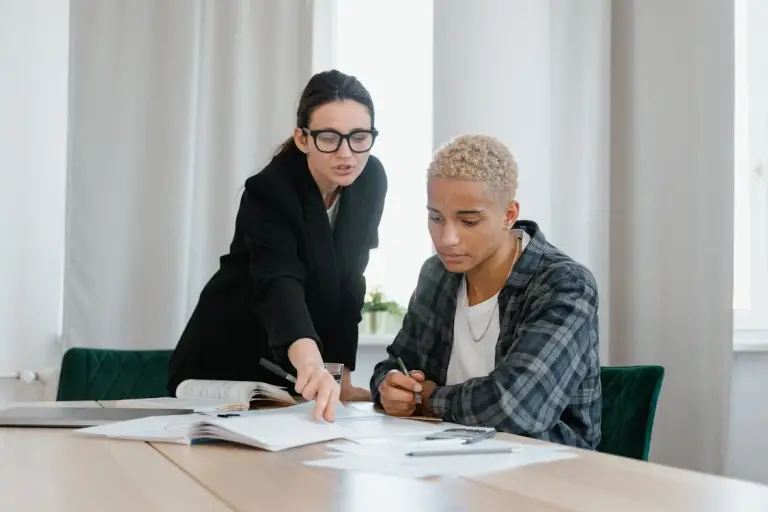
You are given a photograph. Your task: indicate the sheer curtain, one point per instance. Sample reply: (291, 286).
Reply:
(33, 156)
(173, 104)
(621, 115)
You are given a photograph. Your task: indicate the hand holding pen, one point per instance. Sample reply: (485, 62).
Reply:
(416, 375)
(314, 383)
(401, 391)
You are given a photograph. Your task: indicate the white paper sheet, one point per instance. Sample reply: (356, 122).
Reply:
(153, 428)
(398, 450)
(387, 427)
(281, 431)
(306, 408)
(385, 460)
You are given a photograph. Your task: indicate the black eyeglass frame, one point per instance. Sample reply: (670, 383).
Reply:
(314, 133)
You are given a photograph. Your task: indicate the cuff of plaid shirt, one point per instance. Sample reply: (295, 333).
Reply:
(375, 383)
(440, 400)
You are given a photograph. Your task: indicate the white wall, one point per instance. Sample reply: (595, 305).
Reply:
(34, 44)
(748, 452)
(536, 76)
(748, 425)
(479, 91)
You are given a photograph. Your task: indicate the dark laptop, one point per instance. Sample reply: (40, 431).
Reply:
(75, 417)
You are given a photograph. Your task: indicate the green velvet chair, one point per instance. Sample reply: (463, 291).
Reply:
(101, 374)
(630, 396)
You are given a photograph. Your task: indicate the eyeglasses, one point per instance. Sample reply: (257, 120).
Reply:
(329, 141)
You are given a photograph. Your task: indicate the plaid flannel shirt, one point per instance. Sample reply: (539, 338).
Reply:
(546, 383)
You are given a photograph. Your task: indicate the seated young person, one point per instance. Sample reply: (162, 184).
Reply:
(502, 329)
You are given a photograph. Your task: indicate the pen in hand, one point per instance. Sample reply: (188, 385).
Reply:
(405, 371)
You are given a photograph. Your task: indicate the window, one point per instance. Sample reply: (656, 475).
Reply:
(751, 166)
(388, 46)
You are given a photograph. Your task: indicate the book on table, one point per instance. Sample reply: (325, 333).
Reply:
(218, 395)
(269, 429)
(275, 431)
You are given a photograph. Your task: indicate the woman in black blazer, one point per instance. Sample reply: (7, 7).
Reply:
(291, 288)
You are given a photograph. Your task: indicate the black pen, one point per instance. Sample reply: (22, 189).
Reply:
(269, 365)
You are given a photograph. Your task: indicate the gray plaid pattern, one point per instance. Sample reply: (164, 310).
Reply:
(546, 383)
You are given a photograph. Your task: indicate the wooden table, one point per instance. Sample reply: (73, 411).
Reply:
(52, 470)
(49, 469)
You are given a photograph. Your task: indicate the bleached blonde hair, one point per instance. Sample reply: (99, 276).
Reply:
(478, 158)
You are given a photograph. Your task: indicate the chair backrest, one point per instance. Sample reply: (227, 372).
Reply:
(630, 396)
(100, 374)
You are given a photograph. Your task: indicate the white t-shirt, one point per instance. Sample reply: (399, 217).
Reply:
(333, 212)
(470, 358)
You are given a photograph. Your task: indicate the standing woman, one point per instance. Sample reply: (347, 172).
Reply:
(291, 288)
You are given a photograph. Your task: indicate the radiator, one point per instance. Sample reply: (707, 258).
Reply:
(30, 376)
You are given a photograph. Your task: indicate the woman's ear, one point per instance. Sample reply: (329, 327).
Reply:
(301, 139)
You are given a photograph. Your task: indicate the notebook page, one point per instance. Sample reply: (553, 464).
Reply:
(276, 432)
(233, 391)
(152, 428)
(262, 390)
(196, 404)
(306, 408)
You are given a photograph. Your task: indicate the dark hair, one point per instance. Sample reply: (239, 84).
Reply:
(323, 88)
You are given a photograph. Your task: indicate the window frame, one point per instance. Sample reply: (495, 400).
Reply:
(755, 317)
(750, 172)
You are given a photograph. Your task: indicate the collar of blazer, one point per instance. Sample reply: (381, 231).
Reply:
(338, 249)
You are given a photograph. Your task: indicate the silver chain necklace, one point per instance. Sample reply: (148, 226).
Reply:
(518, 253)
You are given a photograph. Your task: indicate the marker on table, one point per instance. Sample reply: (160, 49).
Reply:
(269, 365)
(405, 371)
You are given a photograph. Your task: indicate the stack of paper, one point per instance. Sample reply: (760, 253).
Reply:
(391, 457)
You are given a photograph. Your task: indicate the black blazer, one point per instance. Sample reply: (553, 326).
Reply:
(288, 275)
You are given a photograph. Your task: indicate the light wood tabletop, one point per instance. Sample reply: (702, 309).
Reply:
(599, 482)
(52, 469)
(593, 482)
(250, 480)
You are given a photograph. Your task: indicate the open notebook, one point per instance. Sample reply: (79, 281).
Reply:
(272, 432)
(268, 429)
(217, 395)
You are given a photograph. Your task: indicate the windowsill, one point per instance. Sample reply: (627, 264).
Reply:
(375, 340)
(750, 341)
(743, 341)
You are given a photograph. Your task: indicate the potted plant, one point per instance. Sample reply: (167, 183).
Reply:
(376, 309)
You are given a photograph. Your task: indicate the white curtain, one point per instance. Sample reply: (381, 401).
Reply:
(173, 105)
(620, 114)
(33, 155)
(672, 214)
